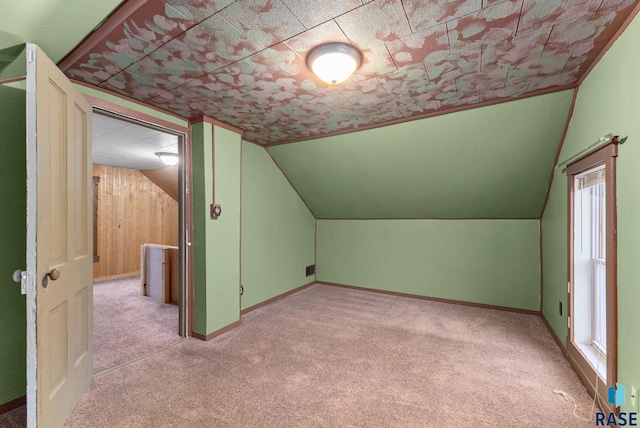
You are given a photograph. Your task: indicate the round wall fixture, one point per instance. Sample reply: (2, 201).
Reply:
(334, 62)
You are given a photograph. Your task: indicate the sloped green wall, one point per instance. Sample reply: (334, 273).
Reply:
(39, 21)
(278, 231)
(489, 162)
(494, 262)
(608, 102)
(13, 237)
(13, 61)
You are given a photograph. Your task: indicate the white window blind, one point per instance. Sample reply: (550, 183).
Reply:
(591, 178)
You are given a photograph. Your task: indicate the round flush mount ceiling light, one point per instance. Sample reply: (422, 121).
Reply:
(169, 159)
(334, 62)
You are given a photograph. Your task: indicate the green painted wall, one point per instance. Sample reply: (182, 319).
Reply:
(13, 237)
(201, 137)
(47, 23)
(216, 242)
(278, 231)
(13, 62)
(608, 101)
(490, 162)
(495, 262)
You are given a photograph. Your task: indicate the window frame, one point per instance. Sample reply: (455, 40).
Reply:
(606, 155)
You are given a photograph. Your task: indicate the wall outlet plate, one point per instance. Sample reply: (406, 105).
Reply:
(634, 396)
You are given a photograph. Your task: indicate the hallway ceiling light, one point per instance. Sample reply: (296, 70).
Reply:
(334, 62)
(169, 159)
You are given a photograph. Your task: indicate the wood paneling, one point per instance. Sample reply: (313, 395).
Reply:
(132, 211)
(165, 178)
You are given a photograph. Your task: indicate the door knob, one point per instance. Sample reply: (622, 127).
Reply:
(53, 274)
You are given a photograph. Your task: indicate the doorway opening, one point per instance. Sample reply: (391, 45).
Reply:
(140, 225)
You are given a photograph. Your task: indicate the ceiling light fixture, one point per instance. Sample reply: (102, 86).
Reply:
(334, 62)
(169, 159)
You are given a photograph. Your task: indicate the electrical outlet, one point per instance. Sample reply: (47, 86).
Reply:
(634, 396)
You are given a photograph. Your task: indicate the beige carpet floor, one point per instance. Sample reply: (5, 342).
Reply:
(127, 325)
(333, 357)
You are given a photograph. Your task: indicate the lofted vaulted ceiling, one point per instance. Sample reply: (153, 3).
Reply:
(243, 62)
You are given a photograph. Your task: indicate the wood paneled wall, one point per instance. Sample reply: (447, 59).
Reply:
(132, 211)
(166, 178)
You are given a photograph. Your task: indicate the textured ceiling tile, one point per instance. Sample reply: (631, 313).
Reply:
(393, 103)
(218, 42)
(241, 75)
(376, 61)
(405, 80)
(326, 102)
(375, 23)
(460, 100)
(421, 107)
(553, 62)
(93, 74)
(617, 5)
(144, 31)
(124, 83)
(520, 76)
(325, 33)
(226, 85)
(593, 27)
(516, 50)
(538, 14)
(428, 45)
(441, 91)
(278, 61)
(454, 66)
(490, 25)
(263, 22)
(382, 118)
(426, 14)
(170, 66)
(479, 83)
(425, 92)
(544, 82)
(367, 92)
(487, 3)
(314, 12)
(501, 93)
(583, 56)
(243, 62)
(197, 10)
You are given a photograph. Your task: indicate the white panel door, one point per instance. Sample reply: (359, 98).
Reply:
(59, 243)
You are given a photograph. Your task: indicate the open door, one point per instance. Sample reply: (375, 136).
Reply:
(59, 243)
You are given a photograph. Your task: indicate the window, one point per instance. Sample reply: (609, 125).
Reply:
(592, 344)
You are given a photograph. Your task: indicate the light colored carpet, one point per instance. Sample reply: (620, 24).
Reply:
(16, 418)
(127, 324)
(333, 357)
